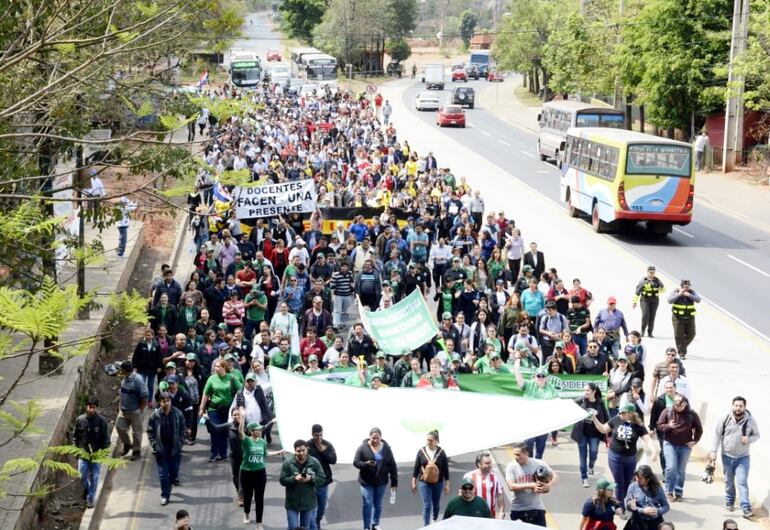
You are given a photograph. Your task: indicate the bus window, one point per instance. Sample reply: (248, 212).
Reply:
(654, 159)
(587, 120)
(613, 121)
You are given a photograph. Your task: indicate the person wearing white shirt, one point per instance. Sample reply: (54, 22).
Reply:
(332, 354)
(126, 207)
(680, 381)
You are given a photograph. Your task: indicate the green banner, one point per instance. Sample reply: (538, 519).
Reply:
(568, 386)
(404, 326)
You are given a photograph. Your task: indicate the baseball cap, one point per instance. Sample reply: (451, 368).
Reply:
(604, 484)
(522, 347)
(527, 268)
(456, 358)
(191, 357)
(380, 355)
(171, 379)
(651, 268)
(499, 282)
(223, 346)
(230, 357)
(612, 300)
(222, 326)
(467, 482)
(312, 358)
(376, 375)
(494, 355)
(559, 344)
(623, 358)
(251, 376)
(445, 315)
(628, 407)
(171, 364)
(253, 426)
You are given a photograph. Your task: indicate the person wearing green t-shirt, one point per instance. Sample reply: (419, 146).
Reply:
(216, 398)
(256, 306)
(279, 357)
(496, 365)
(467, 504)
(536, 388)
(253, 474)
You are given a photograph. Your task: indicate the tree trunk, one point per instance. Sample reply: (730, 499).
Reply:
(641, 118)
(629, 115)
(536, 75)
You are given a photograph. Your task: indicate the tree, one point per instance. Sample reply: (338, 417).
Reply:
(468, 21)
(671, 56)
(399, 50)
(754, 63)
(401, 17)
(302, 16)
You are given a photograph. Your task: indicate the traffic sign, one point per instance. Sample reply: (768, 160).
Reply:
(371, 88)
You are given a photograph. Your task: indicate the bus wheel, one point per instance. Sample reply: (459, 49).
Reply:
(543, 157)
(598, 225)
(571, 209)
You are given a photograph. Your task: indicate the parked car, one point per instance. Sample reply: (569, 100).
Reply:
(458, 73)
(472, 71)
(450, 115)
(273, 55)
(495, 75)
(427, 101)
(463, 95)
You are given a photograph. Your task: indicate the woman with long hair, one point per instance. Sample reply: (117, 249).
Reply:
(625, 430)
(585, 432)
(271, 288)
(376, 466)
(479, 332)
(646, 500)
(600, 510)
(431, 473)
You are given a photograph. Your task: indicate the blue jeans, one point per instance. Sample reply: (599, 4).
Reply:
(622, 469)
(321, 494)
(536, 445)
(736, 469)
(431, 498)
(296, 519)
(89, 477)
(168, 471)
(588, 449)
(218, 438)
(122, 237)
(372, 500)
(150, 380)
(676, 464)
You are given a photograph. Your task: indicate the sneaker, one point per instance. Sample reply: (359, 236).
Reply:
(177, 483)
(729, 507)
(217, 459)
(136, 455)
(590, 472)
(747, 513)
(677, 497)
(212, 459)
(650, 335)
(163, 501)
(670, 497)
(126, 450)
(89, 503)
(239, 500)
(246, 518)
(260, 527)
(85, 494)
(585, 483)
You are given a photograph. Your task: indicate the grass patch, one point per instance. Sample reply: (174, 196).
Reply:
(526, 97)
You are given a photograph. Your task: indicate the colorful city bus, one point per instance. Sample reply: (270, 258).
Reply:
(245, 69)
(618, 176)
(556, 118)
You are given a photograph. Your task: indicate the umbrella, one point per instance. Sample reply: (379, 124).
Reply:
(464, 523)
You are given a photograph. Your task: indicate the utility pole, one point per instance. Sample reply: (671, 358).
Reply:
(618, 103)
(733, 131)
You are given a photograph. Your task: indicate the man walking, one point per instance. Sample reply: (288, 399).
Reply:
(681, 429)
(701, 143)
(342, 286)
(91, 434)
(166, 432)
(647, 293)
(487, 485)
(301, 474)
(133, 399)
(323, 451)
(524, 476)
(735, 433)
(126, 207)
(683, 302)
(467, 504)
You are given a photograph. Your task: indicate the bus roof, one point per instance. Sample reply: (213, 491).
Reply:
(577, 105)
(622, 136)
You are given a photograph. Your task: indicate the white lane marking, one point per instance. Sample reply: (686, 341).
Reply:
(676, 229)
(470, 125)
(749, 265)
(485, 133)
(544, 172)
(504, 143)
(530, 155)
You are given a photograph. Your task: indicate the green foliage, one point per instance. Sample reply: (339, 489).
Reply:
(468, 21)
(754, 63)
(132, 306)
(399, 50)
(670, 55)
(519, 46)
(300, 17)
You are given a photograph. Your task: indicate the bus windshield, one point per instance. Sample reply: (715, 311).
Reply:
(479, 58)
(658, 159)
(596, 119)
(245, 73)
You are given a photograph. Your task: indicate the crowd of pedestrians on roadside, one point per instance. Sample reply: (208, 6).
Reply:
(280, 295)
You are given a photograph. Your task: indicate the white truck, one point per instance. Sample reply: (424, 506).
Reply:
(434, 76)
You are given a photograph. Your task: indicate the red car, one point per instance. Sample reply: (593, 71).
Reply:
(273, 55)
(459, 74)
(494, 75)
(450, 115)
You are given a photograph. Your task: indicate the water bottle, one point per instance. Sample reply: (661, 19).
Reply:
(392, 496)
(202, 421)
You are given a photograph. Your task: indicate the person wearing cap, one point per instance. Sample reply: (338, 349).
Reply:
(539, 387)
(625, 430)
(619, 382)
(180, 399)
(166, 433)
(600, 510)
(312, 365)
(467, 503)
(322, 450)
(612, 320)
(647, 293)
(496, 365)
(456, 275)
(300, 251)
(91, 434)
(457, 366)
(567, 363)
(125, 207)
(681, 429)
(253, 476)
(381, 367)
(252, 402)
(133, 400)
(683, 302)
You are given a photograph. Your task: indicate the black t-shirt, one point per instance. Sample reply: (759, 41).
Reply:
(624, 436)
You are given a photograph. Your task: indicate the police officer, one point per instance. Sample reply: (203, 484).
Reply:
(648, 289)
(683, 302)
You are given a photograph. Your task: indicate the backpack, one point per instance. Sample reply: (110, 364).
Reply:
(744, 427)
(430, 472)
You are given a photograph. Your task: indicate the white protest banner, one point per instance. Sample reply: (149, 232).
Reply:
(405, 415)
(269, 200)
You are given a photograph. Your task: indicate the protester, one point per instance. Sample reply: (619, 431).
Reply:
(301, 474)
(681, 429)
(528, 479)
(600, 510)
(166, 433)
(133, 400)
(323, 451)
(467, 503)
(252, 472)
(91, 434)
(376, 466)
(585, 433)
(431, 474)
(646, 500)
(488, 485)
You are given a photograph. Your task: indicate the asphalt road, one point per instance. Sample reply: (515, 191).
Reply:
(727, 260)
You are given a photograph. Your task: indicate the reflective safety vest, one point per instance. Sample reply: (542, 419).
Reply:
(683, 307)
(648, 288)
